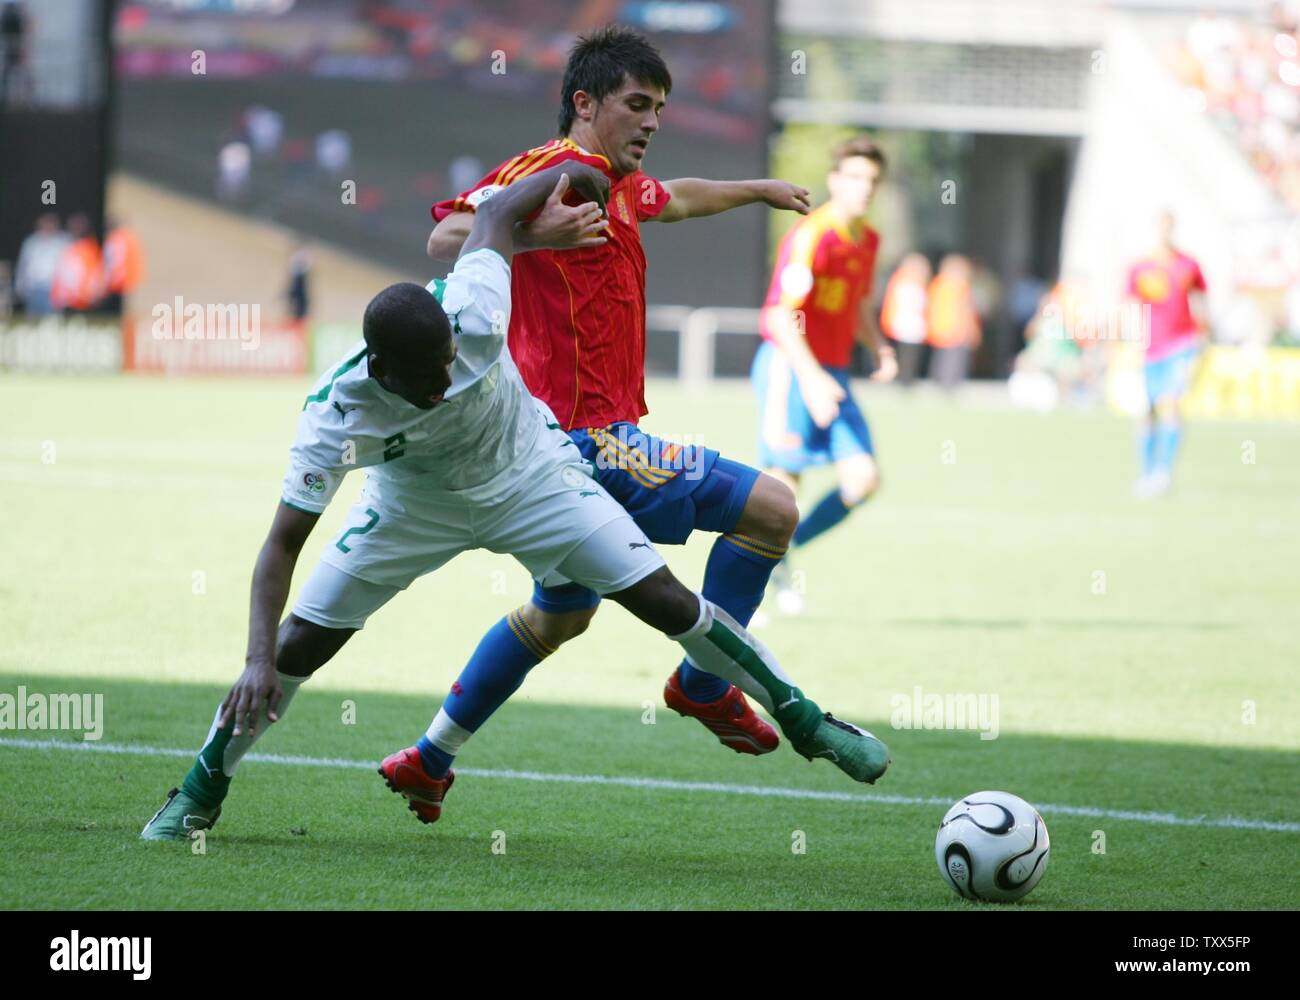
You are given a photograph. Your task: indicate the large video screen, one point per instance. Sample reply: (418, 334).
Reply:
(273, 107)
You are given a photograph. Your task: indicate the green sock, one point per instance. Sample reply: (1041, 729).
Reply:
(721, 646)
(209, 779)
(206, 783)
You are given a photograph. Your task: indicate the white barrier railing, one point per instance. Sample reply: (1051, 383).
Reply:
(697, 332)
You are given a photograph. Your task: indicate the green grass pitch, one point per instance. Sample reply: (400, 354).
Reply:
(1143, 656)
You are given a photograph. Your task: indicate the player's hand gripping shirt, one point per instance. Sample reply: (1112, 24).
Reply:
(824, 272)
(577, 332)
(473, 443)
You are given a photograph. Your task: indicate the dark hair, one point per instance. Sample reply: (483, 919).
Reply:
(600, 62)
(402, 320)
(859, 145)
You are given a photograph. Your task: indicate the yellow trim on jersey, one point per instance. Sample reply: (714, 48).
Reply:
(508, 166)
(566, 141)
(577, 352)
(532, 161)
(535, 165)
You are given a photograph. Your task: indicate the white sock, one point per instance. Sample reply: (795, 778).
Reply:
(749, 665)
(446, 734)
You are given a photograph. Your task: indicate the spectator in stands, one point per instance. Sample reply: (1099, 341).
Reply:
(38, 263)
(902, 314)
(78, 281)
(234, 169)
(13, 32)
(952, 321)
(299, 290)
(265, 129)
(334, 152)
(123, 266)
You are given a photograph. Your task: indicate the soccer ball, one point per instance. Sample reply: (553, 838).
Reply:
(992, 846)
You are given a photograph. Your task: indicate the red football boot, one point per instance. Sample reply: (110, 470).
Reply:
(729, 718)
(404, 774)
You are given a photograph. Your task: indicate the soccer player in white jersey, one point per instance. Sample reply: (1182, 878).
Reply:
(460, 457)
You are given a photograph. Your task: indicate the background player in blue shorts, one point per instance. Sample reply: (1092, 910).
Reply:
(816, 308)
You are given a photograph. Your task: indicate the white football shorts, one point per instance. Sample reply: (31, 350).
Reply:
(561, 524)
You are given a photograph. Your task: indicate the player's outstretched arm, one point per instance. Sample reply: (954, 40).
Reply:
(271, 578)
(694, 197)
(496, 218)
(557, 227)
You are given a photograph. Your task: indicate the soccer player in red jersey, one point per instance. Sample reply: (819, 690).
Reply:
(1169, 286)
(817, 307)
(577, 334)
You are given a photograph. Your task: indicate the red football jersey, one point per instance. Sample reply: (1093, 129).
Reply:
(824, 272)
(577, 317)
(1165, 287)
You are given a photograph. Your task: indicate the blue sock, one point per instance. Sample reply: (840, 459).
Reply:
(830, 511)
(499, 665)
(436, 762)
(1167, 438)
(1147, 448)
(734, 580)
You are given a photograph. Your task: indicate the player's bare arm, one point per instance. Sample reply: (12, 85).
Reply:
(820, 390)
(695, 197)
(496, 218)
(869, 336)
(271, 578)
(557, 227)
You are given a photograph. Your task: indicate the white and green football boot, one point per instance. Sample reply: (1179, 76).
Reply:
(854, 751)
(179, 817)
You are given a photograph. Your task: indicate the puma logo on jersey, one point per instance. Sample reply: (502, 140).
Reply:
(638, 545)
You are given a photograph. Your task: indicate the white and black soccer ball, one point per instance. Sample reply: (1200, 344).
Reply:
(992, 846)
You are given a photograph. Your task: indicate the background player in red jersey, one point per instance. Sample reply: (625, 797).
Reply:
(577, 334)
(1170, 287)
(817, 307)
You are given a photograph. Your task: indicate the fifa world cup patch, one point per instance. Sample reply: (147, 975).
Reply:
(476, 198)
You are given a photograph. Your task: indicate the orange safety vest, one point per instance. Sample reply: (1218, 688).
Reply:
(903, 315)
(123, 261)
(953, 321)
(77, 279)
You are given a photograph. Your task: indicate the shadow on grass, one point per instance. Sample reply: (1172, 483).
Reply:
(361, 727)
(331, 835)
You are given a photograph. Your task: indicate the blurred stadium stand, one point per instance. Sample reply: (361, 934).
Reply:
(1061, 128)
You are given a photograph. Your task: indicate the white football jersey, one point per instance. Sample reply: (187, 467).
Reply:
(473, 444)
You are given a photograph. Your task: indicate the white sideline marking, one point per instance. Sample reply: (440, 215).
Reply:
(666, 784)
